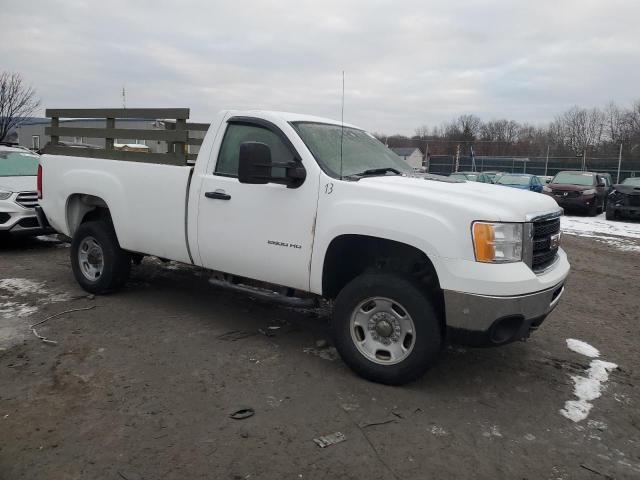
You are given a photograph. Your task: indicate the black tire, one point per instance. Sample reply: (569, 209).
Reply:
(592, 211)
(426, 342)
(116, 262)
(610, 214)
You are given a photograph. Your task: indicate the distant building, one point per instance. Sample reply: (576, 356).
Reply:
(412, 155)
(31, 134)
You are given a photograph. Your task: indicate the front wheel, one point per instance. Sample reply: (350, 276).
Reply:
(610, 214)
(386, 328)
(99, 264)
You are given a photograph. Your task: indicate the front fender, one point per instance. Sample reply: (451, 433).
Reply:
(428, 232)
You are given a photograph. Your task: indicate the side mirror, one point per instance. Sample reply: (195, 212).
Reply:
(254, 164)
(602, 184)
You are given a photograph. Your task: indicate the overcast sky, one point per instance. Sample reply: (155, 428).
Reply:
(407, 63)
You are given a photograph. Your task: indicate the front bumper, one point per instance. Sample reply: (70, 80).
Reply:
(21, 221)
(570, 203)
(483, 320)
(624, 210)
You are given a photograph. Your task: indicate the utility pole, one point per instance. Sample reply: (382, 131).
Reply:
(457, 157)
(124, 98)
(584, 159)
(619, 163)
(546, 163)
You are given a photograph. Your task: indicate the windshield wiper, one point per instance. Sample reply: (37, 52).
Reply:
(377, 171)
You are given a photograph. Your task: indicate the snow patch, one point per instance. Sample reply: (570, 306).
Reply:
(599, 225)
(9, 310)
(618, 234)
(587, 389)
(21, 286)
(330, 353)
(20, 298)
(438, 431)
(493, 431)
(582, 348)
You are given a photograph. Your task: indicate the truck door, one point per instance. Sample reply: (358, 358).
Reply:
(264, 232)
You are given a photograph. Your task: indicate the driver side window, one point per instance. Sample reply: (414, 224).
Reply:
(236, 134)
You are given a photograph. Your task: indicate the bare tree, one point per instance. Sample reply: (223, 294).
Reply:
(614, 123)
(580, 128)
(17, 101)
(469, 126)
(422, 132)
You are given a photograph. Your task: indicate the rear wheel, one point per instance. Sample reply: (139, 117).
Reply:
(99, 264)
(386, 328)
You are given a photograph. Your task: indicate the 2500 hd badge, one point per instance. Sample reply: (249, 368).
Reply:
(283, 244)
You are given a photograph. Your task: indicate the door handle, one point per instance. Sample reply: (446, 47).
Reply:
(218, 194)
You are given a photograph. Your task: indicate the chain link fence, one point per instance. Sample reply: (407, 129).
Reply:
(536, 165)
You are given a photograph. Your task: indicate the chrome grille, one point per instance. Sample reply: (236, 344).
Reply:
(543, 253)
(27, 199)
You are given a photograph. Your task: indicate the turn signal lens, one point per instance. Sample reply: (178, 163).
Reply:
(497, 242)
(483, 238)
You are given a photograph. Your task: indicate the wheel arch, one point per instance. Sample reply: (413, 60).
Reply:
(350, 255)
(82, 207)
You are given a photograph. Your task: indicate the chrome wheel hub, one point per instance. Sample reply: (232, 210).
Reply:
(91, 259)
(382, 330)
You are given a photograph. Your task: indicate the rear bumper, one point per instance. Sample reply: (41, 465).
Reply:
(483, 320)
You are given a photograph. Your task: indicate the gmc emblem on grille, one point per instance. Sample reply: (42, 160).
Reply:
(554, 241)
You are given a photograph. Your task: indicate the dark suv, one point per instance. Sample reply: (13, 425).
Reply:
(624, 199)
(586, 191)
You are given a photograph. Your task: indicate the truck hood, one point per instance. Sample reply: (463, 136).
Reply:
(480, 200)
(18, 184)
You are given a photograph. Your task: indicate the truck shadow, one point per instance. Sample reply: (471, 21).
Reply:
(11, 243)
(301, 336)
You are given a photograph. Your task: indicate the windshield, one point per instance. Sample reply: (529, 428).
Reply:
(360, 150)
(632, 181)
(570, 178)
(18, 164)
(514, 180)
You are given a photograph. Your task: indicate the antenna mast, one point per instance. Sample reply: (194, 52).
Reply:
(342, 125)
(124, 98)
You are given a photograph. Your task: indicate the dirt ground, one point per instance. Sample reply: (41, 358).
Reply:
(142, 385)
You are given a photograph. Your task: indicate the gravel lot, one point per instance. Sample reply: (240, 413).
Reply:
(142, 385)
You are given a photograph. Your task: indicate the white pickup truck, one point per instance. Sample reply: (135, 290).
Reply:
(323, 210)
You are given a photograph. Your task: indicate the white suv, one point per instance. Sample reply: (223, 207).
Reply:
(18, 197)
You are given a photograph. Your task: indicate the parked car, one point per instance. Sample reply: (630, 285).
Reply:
(624, 199)
(494, 175)
(576, 190)
(18, 197)
(472, 177)
(409, 261)
(544, 179)
(523, 181)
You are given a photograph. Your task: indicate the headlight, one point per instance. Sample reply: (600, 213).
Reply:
(4, 194)
(591, 191)
(546, 189)
(497, 242)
